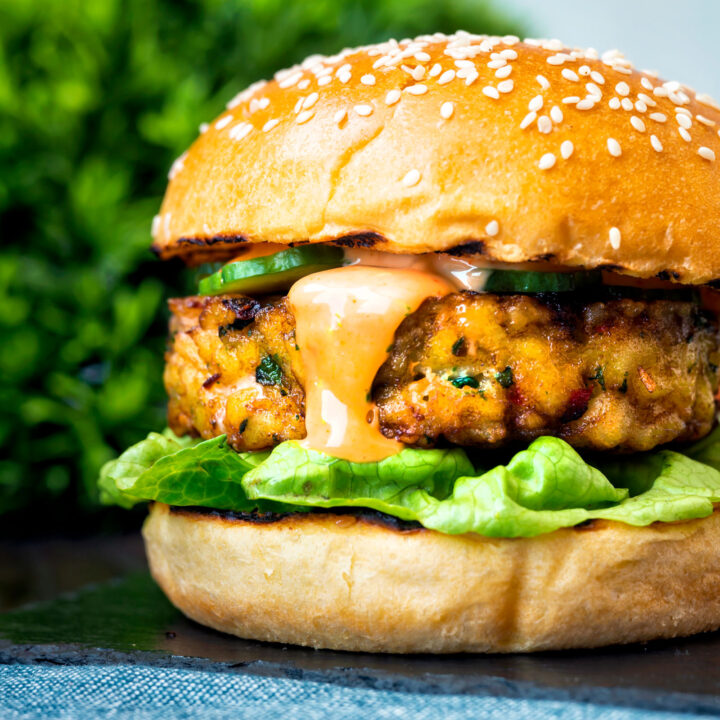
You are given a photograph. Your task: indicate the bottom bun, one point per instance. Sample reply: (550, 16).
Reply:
(351, 582)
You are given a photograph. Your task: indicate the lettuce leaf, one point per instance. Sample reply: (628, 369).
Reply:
(180, 471)
(682, 489)
(116, 476)
(299, 476)
(543, 488)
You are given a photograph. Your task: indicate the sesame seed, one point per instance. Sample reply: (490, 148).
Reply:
(615, 238)
(614, 147)
(683, 121)
(536, 103)
(647, 100)
(222, 122)
(310, 100)
(569, 74)
(418, 72)
(290, 81)
(547, 161)
(304, 116)
(660, 91)
(503, 72)
(584, 70)
(325, 80)
(411, 178)
(417, 89)
(640, 106)
(566, 149)
(658, 117)
(270, 124)
(622, 89)
(556, 114)
(241, 130)
(585, 104)
(543, 81)
(446, 110)
(571, 100)
(298, 105)
(646, 83)
(497, 63)
(705, 121)
(637, 123)
(614, 103)
(422, 57)
(544, 124)
(446, 77)
(392, 97)
(304, 84)
(593, 90)
(491, 92)
(435, 70)
(657, 145)
(339, 116)
(626, 104)
(528, 120)
(555, 60)
(509, 54)
(344, 76)
(597, 77)
(363, 110)
(492, 228)
(684, 134)
(203, 128)
(506, 86)
(367, 79)
(706, 153)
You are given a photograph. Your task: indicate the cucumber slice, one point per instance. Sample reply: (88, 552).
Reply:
(521, 281)
(272, 272)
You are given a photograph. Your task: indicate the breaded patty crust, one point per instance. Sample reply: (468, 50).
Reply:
(473, 369)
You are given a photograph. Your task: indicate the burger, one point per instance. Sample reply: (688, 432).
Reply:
(447, 383)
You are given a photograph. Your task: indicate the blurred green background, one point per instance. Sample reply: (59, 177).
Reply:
(96, 99)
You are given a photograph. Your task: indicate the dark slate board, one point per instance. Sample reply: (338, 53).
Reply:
(131, 621)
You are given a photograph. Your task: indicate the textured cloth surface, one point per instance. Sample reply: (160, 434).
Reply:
(150, 693)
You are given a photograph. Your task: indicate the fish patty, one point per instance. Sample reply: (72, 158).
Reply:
(472, 369)
(232, 367)
(487, 370)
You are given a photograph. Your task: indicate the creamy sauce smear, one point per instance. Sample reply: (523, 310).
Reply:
(345, 321)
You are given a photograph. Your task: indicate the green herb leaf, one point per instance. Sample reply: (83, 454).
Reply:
(505, 377)
(599, 376)
(459, 347)
(465, 381)
(269, 372)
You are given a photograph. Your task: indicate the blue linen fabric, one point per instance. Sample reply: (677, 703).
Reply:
(150, 693)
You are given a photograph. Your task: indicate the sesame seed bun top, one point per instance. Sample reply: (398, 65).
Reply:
(518, 150)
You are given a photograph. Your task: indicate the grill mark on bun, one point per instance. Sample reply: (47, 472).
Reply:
(344, 517)
(471, 247)
(363, 240)
(371, 517)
